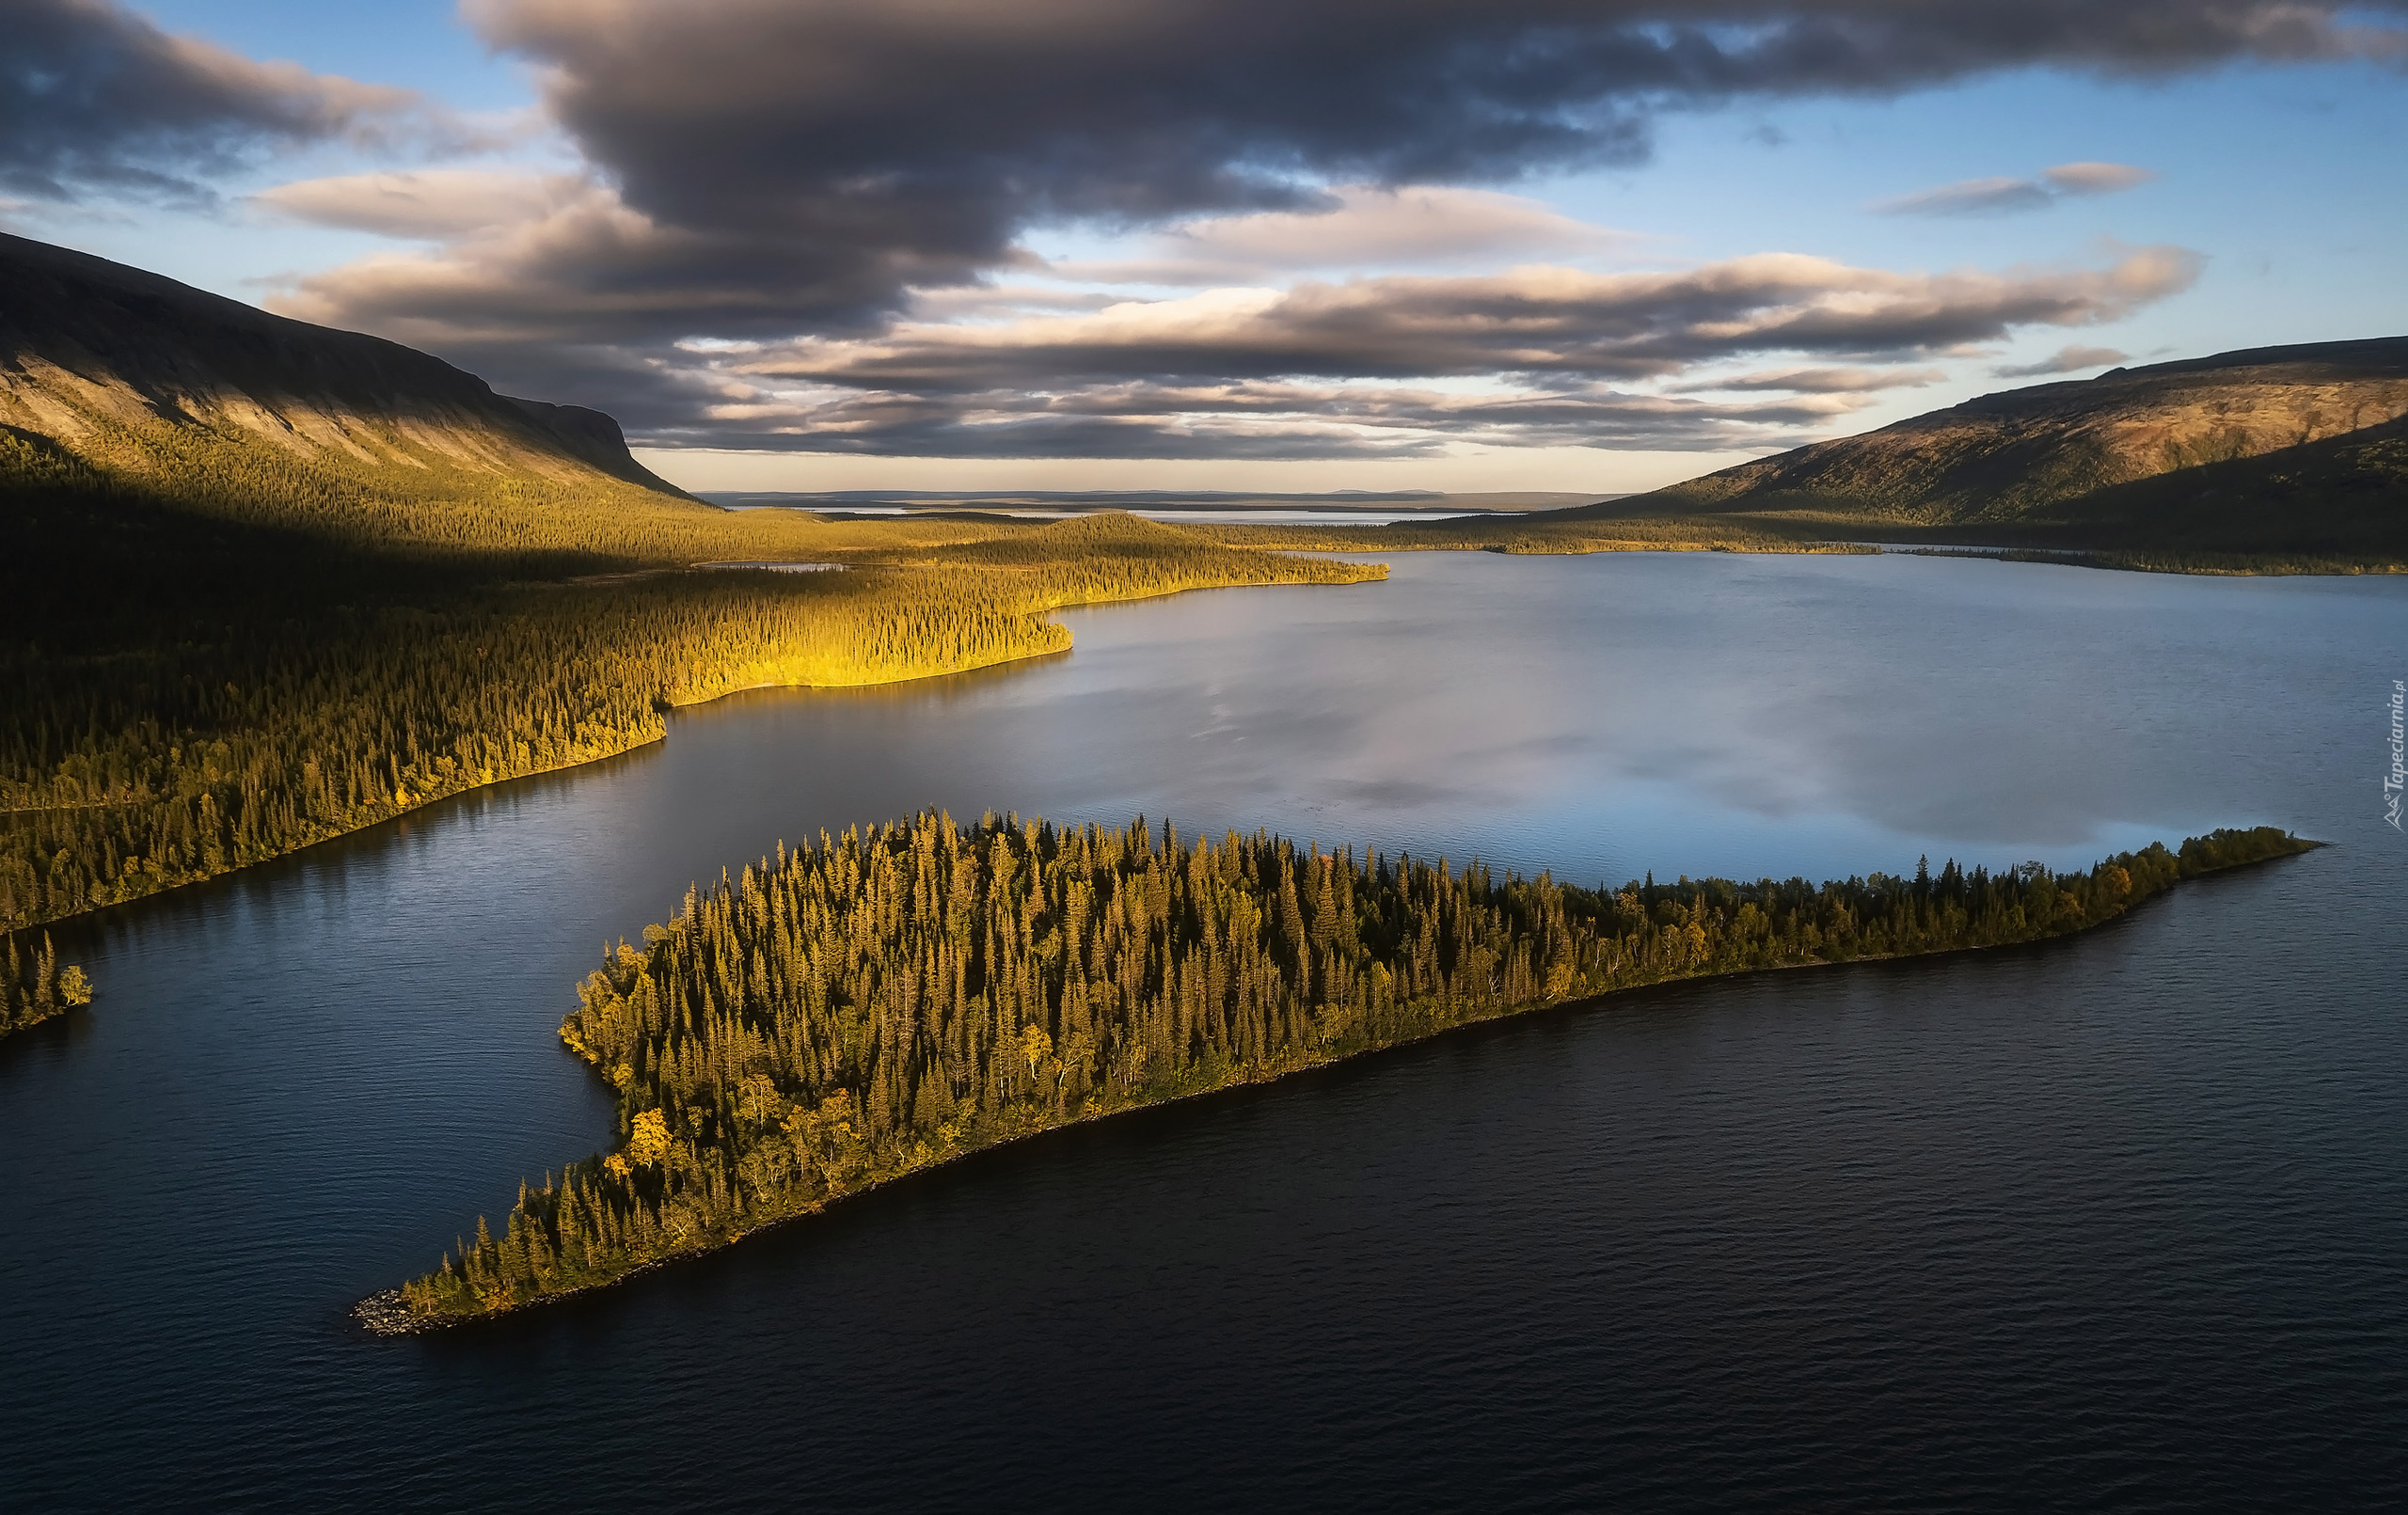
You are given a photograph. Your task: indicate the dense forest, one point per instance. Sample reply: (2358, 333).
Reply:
(274, 651)
(244, 732)
(841, 1014)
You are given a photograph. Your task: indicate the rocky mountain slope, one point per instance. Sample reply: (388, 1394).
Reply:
(2033, 455)
(125, 371)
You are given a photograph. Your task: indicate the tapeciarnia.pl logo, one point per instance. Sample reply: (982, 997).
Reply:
(2398, 777)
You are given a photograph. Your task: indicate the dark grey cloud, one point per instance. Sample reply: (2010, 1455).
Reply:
(1376, 368)
(1326, 370)
(800, 164)
(94, 96)
(1252, 420)
(767, 170)
(1532, 321)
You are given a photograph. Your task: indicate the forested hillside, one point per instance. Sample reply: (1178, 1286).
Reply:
(266, 583)
(173, 741)
(838, 1015)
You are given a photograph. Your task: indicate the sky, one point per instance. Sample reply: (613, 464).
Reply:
(1587, 246)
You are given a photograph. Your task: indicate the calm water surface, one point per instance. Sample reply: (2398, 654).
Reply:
(2113, 1223)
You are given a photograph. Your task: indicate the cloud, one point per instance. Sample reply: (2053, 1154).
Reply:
(1972, 197)
(826, 183)
(862, 147)
(2065, 361)
(578, 266)
(92, 95)
(1398, 365)
(2096, 178)
(1358, 227)
(431, 203)
(1820, 380)
(1244, 420)
(2005, 197)
(1538, 321)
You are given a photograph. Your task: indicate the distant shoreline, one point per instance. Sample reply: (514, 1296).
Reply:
(1414, 502)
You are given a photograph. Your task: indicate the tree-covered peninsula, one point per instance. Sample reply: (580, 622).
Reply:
(838, 1015)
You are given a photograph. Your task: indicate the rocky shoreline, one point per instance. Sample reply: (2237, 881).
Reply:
(385, 1313)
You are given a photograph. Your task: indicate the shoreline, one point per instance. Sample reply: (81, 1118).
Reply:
(1514, 538)
(431, 801)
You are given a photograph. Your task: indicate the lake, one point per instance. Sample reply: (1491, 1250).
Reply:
(2115, 1222)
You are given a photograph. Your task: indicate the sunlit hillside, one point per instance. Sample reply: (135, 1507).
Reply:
(2278, 460)
(270, 583)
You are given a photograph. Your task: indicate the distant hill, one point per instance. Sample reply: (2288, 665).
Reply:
(2292, 453)
(126, 371)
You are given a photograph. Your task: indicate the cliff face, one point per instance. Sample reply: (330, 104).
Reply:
(110, 364)
(2035, 453)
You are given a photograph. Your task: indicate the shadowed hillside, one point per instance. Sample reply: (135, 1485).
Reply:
(133, 395)
(107, 361)
(2337, 502)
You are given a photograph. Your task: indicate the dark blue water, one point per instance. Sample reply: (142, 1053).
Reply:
(2117, 1222)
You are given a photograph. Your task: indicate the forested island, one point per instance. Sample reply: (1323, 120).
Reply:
(835, 1016)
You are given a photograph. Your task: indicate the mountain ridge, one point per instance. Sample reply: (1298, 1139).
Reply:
(2018, 454)
(95, 356)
